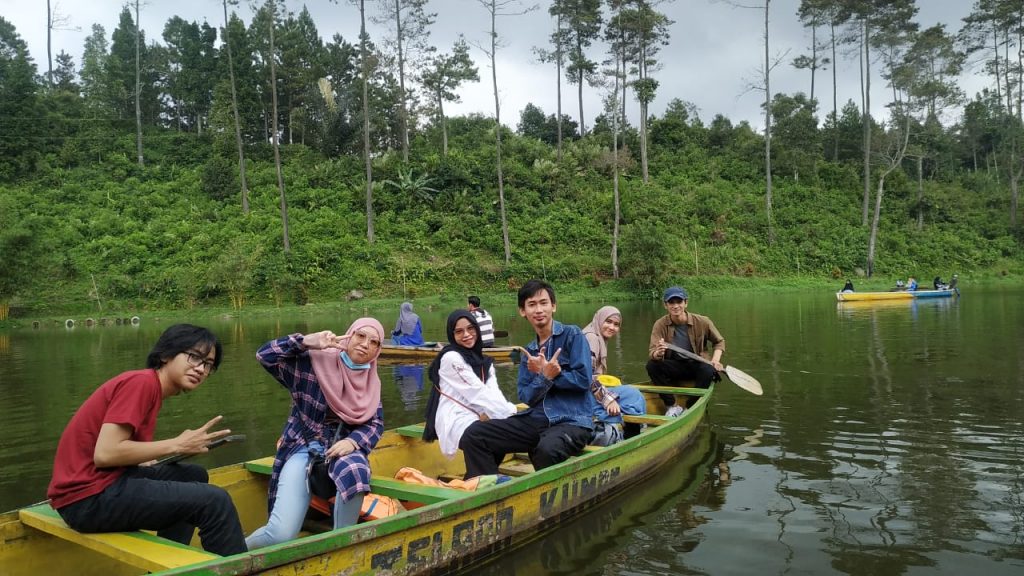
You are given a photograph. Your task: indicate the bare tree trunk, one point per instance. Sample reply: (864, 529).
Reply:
(920, 193)
(49, 43)
(234, 110)
(403, 114)
(768, 130)
(497, 133)
(642, 75)
(867, 124)
(138, 88)
(814, 55)
(444, 126)
(366, 122)
(893, 164)
(558, 83)
(835, 97)
(579, 93)
(275, 135)
(615, 174)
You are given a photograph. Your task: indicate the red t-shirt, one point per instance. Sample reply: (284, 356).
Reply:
(131, 398)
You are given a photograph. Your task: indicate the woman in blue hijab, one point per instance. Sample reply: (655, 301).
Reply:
(408, 330)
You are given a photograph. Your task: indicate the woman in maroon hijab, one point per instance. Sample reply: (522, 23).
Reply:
(336, 411)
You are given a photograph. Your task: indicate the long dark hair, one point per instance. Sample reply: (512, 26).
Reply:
(183, 338)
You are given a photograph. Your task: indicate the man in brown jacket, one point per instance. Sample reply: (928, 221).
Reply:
(688, 331)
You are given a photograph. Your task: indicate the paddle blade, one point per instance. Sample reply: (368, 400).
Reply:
(744, 380)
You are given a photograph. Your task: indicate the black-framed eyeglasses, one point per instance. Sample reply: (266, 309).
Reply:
(196, 360)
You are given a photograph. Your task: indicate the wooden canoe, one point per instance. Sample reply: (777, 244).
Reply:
(451, 529)
(398, 354)
(896, 295)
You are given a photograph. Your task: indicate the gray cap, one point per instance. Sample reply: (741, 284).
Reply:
(675, 292)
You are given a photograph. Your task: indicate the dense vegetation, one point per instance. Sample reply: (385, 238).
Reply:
(84, 221)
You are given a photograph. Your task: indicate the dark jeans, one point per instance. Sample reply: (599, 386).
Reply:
(670, 371)
(173, 499)
(485, 444)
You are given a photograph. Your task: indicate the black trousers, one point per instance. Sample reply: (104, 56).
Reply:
(173, 499)
(485, 444)
(670, 371)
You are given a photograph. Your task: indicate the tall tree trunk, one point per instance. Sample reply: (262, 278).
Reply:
(920, 193)
(403, 113)
(615, 173)
(234, 111)
(444, 125)
(867, 124)
(366, 121)
(768, 130)
(814, 55)
(558, 83)
(138, 87)
(275, 135)
(49, 44)
(893, 164)
(642, 75)
(835, 96)
(497, 133)
(579, 92)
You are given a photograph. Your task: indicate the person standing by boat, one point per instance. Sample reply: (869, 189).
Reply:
(554, 382)
(465, 386)
(336, 411)
(408, 330)
(484, 320)
(609, 427)
(690, 332)
(105, 478)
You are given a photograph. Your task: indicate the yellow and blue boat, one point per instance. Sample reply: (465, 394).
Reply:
(895, 295)
(449, 529)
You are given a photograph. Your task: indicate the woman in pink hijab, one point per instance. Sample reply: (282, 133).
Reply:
(336, 411)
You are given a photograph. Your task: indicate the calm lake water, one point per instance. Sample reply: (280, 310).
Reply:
(889, 439)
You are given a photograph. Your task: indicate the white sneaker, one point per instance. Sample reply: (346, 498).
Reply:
(674, 411)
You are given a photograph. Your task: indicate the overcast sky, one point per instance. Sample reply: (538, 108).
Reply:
(714, 53)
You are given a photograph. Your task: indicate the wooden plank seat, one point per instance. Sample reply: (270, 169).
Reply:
(380, 485)
(140, 549)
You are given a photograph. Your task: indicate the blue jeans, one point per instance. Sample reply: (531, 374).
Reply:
(292, 502)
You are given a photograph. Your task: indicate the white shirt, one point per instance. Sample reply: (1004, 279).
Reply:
(458, 380)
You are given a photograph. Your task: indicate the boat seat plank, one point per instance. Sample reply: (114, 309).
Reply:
(261, 466)
(669, 390)
(650, 419)
(140, 549)
(410, 431)
(416, 492)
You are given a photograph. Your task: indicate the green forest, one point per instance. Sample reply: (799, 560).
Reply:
(255, 163)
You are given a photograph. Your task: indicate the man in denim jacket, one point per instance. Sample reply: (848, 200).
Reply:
(554, 382)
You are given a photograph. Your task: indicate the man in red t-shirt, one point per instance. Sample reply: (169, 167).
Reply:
(104, 476)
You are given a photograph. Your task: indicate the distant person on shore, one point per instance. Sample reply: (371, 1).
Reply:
(483, 320)
(336, 412)
(464, 386)
(105, 478)
(690, 332)
(609, 426)
(554, 382)
(408, 329)
(848, 287)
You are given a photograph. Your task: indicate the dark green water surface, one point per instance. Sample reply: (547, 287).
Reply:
(889, 440)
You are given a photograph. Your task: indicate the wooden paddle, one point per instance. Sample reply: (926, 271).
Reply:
(738, 377)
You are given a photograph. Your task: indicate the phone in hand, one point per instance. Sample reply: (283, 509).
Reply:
(216, 443)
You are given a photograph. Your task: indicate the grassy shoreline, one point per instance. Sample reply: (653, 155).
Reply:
(580, 291)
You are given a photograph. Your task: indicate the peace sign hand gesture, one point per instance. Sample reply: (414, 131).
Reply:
(539, 364)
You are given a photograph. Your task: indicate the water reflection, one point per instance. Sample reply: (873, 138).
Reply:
(409, 379)
(637, 531)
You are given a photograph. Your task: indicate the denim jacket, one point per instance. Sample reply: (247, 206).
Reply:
(567, 398)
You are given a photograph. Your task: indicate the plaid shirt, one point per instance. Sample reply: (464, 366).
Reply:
(287, 361)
